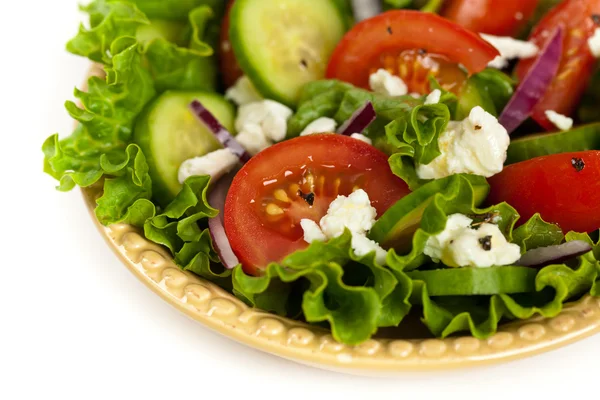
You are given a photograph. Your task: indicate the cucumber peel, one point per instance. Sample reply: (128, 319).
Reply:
(477, 281)
(582, 138)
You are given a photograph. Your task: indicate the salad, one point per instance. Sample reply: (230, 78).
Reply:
(351, 163)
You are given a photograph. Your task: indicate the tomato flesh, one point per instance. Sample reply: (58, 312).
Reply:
(230, 69)
(395, 40)
(563, 188)
(495, 17)
(416, 66)
(298, 179)
(577, 63)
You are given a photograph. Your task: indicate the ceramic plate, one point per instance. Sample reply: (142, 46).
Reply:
(392, 351)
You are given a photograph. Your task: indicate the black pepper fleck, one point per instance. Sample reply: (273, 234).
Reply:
(389, 30)
(486, 242)
(309, 198)
(577, 163)
(477, 127)
(304, 63)
(421, 52)
(596, 18)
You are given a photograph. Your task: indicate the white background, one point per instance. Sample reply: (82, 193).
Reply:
(75, 324)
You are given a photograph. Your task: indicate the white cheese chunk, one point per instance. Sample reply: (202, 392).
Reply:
(434, 97)
(312, 231)
(562, 122)
(261, 123)
(353, 212)
(243, 92)
(476, 145)
(362, 246)
(594, 43)
(361, 137)
(253, 138)
(460, 245)
(319, 125)
(215, 164)
(509, 49)
(383, 82)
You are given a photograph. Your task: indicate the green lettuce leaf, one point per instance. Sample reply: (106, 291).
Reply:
(99, 145)
(335, 286)
(109, 20)
(182, 68)
(537, 233)
(181, 227)
(177, 9)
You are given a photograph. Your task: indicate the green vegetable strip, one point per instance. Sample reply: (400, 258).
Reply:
(585, 137)
(477, 281)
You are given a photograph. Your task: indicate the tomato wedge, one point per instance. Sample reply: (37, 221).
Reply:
(563, 188)
(495, 17)
(230, 69)
(413, 45)
(577, 64)
(298, 179)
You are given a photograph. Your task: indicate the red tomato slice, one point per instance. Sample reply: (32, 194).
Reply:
(495, 17)
(272, 192)
(563, 188)
(577, 63)
(412, 45)
(230, 68)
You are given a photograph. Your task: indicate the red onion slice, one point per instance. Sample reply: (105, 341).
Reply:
(364, 9)
(557, 254)
(222, 134)
(534, 85)
(359, 120)
(216, 226)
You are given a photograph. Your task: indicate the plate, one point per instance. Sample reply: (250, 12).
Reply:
(219, 310)
(393, 352)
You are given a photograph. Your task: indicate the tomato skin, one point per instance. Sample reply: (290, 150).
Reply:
(577, 63)
(361, 47)
(552, 186)
(252, 238)
(494, 17)
(230, 69)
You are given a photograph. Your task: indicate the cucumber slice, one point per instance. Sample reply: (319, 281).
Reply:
(169, 134)
(283, 46)
(585, 137)
(398, 224)
(477, 281)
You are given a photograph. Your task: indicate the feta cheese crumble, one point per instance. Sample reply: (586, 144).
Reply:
(562, 122)
(383, 82)
(434, 97)
(353, 212)
(243, 92)
(361, 137)
(460, 245)
(319, 125)
(477, 145)
(215, 164)
(261, 123)
(509, 49)
(594, 43)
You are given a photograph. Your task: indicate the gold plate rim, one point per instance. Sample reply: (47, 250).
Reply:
(219, 310)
